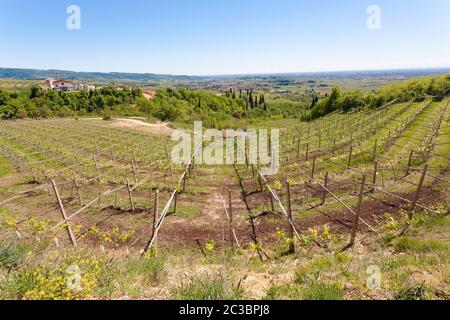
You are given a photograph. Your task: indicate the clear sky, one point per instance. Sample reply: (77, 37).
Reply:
(203, 37)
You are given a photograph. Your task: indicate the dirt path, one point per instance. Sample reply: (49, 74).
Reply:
(157, 128)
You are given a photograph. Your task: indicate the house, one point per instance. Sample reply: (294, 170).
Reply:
(68, 86)
(81, 86)
(64, 85)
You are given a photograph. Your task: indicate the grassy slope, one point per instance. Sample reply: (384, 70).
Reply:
(5, 167)
(414, 266)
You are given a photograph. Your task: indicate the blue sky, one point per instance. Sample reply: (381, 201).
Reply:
(202, 37)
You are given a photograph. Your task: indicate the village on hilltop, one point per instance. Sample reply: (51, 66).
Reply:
(67, 85)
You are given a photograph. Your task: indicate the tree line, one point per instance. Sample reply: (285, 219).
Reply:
(232, 109)
(413, 90)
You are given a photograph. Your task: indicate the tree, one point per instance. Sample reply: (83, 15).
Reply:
(4, 97)
(167, 112)
(330, 106)
(36, 92)
(314, 101)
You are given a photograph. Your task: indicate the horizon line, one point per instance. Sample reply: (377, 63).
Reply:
(240, 74)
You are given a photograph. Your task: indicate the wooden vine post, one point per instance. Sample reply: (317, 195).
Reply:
(358, 212)
(175, 203)
(272, 206)
(375, 173)
(350, 153)
(417, 195)
(313, 169)
(408, 169)
(64, 214)
(291, 228)
(307, 152)
(375, 150)
(155, 214)
(324, 196)
(134, 169)
(77, 186)
(130, 194)
(230, 213)
(261, 187)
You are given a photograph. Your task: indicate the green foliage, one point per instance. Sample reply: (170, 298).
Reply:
(181, 105)
(5, 167)
(152, 267)
(18, 284)
(38, 103)
(220, 111)
(51, 280)
(322, 291)
(11, 254)
(405, 244)
(411, 293)
(215, 287)
(314, 290)
(413, 90)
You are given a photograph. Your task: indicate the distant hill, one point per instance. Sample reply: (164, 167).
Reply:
(34, 74)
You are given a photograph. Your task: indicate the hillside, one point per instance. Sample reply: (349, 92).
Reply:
(37, 74)
(360, 197)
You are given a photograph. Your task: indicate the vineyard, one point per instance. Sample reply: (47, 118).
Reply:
(346, 181)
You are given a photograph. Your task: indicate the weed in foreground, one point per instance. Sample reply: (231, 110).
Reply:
(209, 287)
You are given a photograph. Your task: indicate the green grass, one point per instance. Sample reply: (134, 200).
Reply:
(5, 167)
(322, 291)
(187, 211)
(407, 244)
(209, 287)
(152, 269)
(10, 254)
(17, 285)
(315, 290)
(36, 156)
(439, 223)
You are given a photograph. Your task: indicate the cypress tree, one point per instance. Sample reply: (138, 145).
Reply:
(313, 104)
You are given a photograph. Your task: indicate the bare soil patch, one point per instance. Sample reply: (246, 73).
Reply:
(155, 128)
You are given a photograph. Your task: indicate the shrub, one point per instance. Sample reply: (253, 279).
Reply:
(413, 292)
(322, 291)
(10, 255)
(215, 287)
(151, 267)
